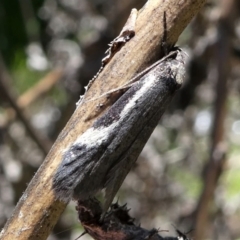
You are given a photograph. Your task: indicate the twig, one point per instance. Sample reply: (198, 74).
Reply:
(42, 87)
(31, 95)
(218, 149)
(43, 142)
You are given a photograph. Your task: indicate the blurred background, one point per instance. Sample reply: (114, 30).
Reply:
(188, 174)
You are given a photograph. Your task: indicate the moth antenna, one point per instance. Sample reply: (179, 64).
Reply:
(85, 232)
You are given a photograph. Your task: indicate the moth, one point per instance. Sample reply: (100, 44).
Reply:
(102, 156)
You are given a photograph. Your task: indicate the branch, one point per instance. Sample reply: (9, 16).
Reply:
(217, 158)
(38, 210)
(42, 141)
(31, 95)
(40, 88)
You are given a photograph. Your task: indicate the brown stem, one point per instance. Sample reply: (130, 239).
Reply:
(43, 142)
(34, 93)
(218, 149)
(42, 87)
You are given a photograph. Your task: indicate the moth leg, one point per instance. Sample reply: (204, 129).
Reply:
(125, 88)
